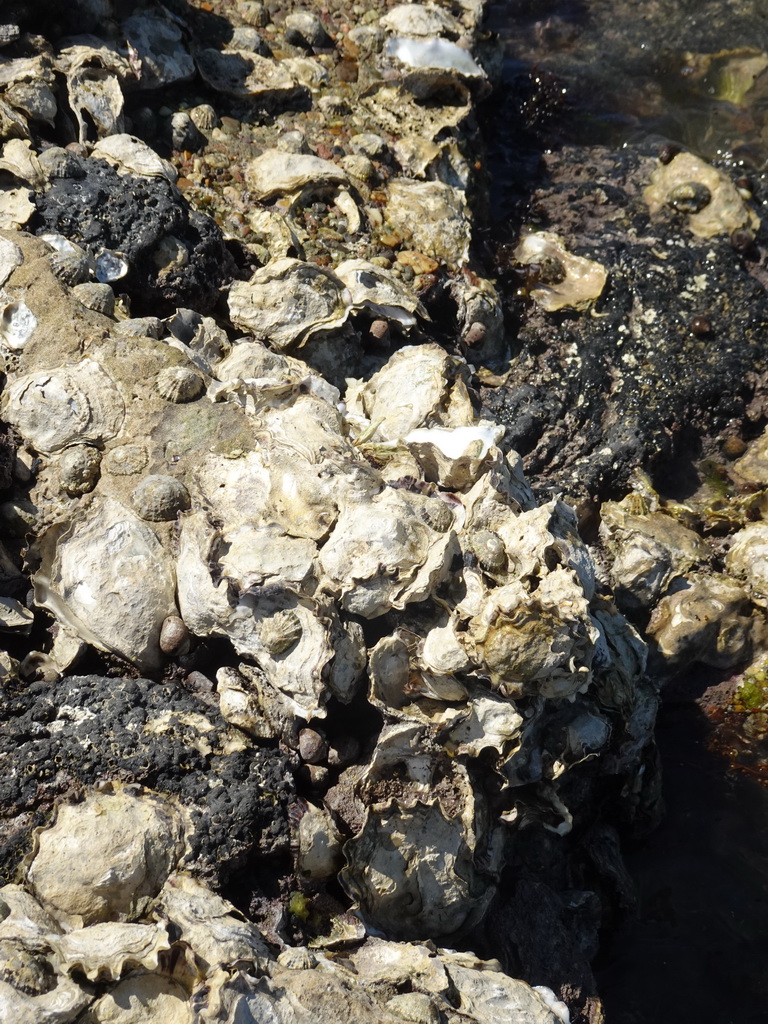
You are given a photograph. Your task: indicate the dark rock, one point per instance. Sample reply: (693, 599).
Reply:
(638, 380)
(60, 737)
(134, 215)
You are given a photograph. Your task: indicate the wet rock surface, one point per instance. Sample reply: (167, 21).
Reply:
(671, 354)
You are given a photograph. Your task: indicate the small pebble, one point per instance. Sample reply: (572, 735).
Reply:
(312, 746)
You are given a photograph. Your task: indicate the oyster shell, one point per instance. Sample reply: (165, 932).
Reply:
(106, 575)
(96, 98)
(564, 280)
(650, 549)
(434, 54)
(382, 554)
(706, 619)
(420, 386)
(275, 172)
(10, 258)
(240, 73)
(103, 952)
(379, 292)
(748, 559)
(52, 409)
(143, 999)
(412, 868)
(132, 156)
(288, 301)
(726, 210)
(214, 929)
(420, 21)
(134, 839)
(17, 325)
(432, 217)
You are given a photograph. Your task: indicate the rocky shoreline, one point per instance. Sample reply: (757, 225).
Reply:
(351, 724)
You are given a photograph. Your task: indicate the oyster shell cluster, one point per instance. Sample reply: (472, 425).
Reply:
(313, 492)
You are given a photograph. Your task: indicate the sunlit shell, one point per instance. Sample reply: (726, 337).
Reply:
(411, 868)
(380, 292)
(160, 498)
(10, 258)
(382, 555)
(280, 632)
(71, 267)
(275, 172)
(103, 952)
(106, 550)
(96, 98)
(133, 840)
(434, 54)
(132, 156)
(142, 999)
(79, 468)
(52, 409)
(96, 296)
(179, 384)
(109, 266)
(687, 179)
(204, 118)
(212, 926)
(432, 217)
(420, 20)
(288, 301)
(126, 459)
(565, 280)
(17, 325)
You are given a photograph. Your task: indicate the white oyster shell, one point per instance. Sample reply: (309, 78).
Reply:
(576, 282)
(748, 559)
(453, 457)
(107, 576)
(105, 951)
(132, 156)
(276, 173)
(420, 20)
(432, 217)
(17, 325)
(383, 554)
(541, 642)
(420, 386)
(706, 620)
(288, 301)
(143, 999)
(650, 550)
(55, 408)
(379, 292)
(438, 54)
(412, 867)
(726, 211)
(10, 258)
(133, 841)
(210, 925)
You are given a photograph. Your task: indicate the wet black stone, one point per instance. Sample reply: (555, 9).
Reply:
(132, 215)
(593, 396)
(56, 738)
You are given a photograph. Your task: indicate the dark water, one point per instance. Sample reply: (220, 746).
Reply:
(693, 74)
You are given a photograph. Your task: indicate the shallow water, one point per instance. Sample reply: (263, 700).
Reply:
(691, 74)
